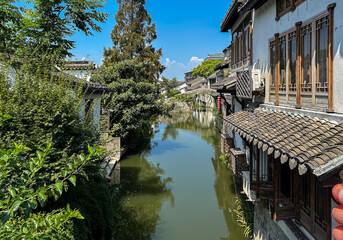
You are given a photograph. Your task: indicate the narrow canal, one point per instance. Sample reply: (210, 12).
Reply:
(179, 188)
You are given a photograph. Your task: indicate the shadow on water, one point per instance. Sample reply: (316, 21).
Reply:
(142, 193)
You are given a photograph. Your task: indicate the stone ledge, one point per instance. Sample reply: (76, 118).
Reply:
(335, 117)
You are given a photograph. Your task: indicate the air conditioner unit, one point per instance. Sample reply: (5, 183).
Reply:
(257, 81)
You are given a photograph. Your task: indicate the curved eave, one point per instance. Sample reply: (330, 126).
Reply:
(231, 16)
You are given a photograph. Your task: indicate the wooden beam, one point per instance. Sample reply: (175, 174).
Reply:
(243, 48)
(312, 200)
(258, 172)
(292, 5)
(251, 42)
(298, 65)
(331, 9)
(296, 193)
(251, 162)
(277, 68)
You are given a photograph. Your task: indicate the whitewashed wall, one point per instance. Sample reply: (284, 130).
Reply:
(265, 27)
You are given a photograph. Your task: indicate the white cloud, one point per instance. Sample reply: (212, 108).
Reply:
(196, 60)
(177, 69)
(168, 62)
(84, 59)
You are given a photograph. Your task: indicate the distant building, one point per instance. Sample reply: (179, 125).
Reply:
(189, 76)
(80, 69)
(218, 56)
(182, 87)
(199, 82)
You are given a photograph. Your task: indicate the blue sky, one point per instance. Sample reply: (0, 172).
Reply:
(186, 30)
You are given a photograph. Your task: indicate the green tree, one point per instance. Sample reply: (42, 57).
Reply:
(45, 106)
(132, 102)
(169, 84)
(132, 38)
(10, 22)
(43, 26)
(25, 186)
(206, 68)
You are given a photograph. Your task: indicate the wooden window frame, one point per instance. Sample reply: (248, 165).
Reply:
(290, 35)
(286, 9)
(271, 86)
(312, 87)
(306, 28)
(318, 228)
(283, 39)
(325, 20)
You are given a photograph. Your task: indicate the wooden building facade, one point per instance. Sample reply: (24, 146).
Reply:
(294, 155)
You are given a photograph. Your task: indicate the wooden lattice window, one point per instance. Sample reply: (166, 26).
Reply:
(272, 50)
(292, 58)
(285, 6)
(305, 194)
(320, 206)
(283, 65)
(247, 41)
(306, 46)
(233, 52)
(322, 34)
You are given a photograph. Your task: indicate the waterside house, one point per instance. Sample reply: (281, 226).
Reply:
(182, 87)
(286, 112)
(189, 76)
(197, 83)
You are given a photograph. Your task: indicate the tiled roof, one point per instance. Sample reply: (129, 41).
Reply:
(198, 79)
(222, 65)
(79, 65)
(213, 75)
(196, 86)
(305, 142)
(227, 83)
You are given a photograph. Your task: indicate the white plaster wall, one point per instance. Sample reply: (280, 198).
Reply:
(265, 27)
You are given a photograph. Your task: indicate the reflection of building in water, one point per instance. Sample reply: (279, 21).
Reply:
(204, 118)
(199, 118)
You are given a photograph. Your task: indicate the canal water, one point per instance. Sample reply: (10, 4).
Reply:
(179, 188)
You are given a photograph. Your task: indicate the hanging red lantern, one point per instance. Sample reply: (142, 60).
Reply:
(337, 214)
(337, 193)
(338, 233)
(218, 103)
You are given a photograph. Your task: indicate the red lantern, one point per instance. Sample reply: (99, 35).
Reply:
(337, 193)
(337, 214)
(218, 103)
(338, 233)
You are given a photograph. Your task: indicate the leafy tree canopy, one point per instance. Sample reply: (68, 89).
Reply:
(132, 38)
(206, 68)
(131, 102)
(169, 84)
(46, 25)
(44, 106)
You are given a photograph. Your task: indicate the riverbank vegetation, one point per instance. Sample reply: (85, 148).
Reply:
(52, 184)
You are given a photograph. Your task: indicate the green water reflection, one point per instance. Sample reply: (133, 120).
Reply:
(179, 188)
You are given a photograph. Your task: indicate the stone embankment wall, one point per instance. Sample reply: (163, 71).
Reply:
(264, 227)
(204, 98)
